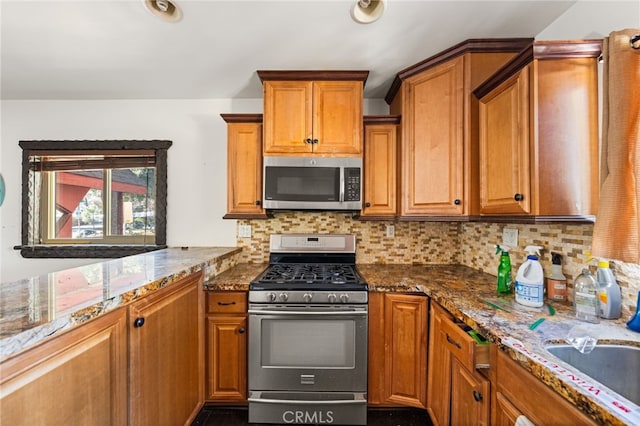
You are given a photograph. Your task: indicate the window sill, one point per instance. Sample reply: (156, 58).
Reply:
(84, 251)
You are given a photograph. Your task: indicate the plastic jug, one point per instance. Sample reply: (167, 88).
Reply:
(530, 280)
(585, 297)
(608, 292)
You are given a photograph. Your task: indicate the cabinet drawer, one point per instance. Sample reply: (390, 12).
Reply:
(470, 353)
(224, 302)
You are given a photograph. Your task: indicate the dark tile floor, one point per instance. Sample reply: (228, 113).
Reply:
(237, 416)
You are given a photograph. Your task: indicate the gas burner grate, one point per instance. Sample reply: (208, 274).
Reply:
(309, 273)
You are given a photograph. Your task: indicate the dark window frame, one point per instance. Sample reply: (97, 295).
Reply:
(30, 250)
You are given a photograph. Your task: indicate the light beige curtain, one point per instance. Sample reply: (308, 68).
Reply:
(616, 234)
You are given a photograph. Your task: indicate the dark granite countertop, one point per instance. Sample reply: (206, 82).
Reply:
(236, 278)
(35, 308)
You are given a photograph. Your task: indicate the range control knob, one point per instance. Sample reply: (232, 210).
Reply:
(271, 297)
(344, 298)
(332, 298)
(284, 297)
(307, 297)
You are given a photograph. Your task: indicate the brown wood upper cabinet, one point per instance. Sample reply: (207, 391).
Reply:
(244, 166)
(438, 154)
(380, 166)
(313, 112)
(539, 133)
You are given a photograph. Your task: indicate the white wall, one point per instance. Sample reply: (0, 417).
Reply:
(196, 199)
(593, 19)
(197, 179)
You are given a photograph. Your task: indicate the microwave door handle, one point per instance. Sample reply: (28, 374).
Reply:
(341, 184)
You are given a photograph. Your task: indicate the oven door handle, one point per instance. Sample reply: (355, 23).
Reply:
(321, 313)
(306, 402)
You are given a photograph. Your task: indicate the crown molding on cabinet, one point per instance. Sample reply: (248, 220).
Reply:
(381, 119)
(467, 46)
(540, 50)
(242, 118)
(311, 75)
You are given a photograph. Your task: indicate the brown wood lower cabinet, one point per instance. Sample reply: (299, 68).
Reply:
(79, 377)
(470, 396)
(518, 393)
(165, 354)
(226, 347)
(397, 349)
(457, 393)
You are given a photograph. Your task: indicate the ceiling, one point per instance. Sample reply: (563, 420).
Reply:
(103, 49)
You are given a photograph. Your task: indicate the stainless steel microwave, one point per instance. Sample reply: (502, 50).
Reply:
(312, 183)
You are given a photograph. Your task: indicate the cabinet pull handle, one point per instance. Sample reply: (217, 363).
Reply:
(453, 342)
(138, 322)
(477, 396)
(241, 330)
(367, 204)
(227, 303)
(457, 202)
(518, 197)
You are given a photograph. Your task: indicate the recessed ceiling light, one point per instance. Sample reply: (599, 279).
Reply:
(367, 11)
(164, 9)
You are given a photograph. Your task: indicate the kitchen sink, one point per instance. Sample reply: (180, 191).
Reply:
(615, 366)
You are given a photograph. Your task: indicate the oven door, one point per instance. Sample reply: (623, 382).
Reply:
(308, 348)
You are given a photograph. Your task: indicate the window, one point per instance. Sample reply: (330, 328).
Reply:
(93, 198)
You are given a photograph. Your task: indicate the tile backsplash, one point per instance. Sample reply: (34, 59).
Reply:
(471, 244)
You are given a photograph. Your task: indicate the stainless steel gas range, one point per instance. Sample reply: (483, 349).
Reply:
(308, 333)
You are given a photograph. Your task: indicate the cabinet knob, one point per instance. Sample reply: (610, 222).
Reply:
(315, 141)
(518, 197)
(367, 204)
(138, 322)
(457, 202)
(241, 330)
(308, 141)
(258, 202)
(477, 396)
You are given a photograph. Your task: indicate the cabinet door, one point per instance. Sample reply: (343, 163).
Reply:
(528, 395)
(405, 318)
(432, 142)
(244, 168)
(337, 117)
(380, 156)
(470, 396)
(227, 357)
(166, 354)
(504, 414)
(505, 171)
(288, 117)
(439, 375)
(376, 351)
(79, 377)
